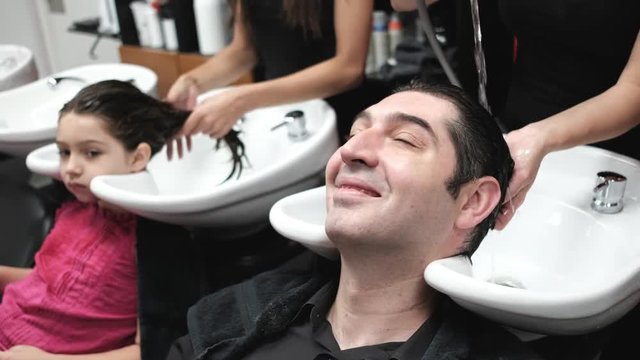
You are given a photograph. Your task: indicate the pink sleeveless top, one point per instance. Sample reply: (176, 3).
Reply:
(81, 296)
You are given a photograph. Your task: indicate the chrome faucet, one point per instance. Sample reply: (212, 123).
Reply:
(53, 81)
(608, 192)
(296, 125)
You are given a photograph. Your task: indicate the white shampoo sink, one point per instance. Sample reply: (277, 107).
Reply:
(29, 113)
(191, 191)
(558, 268)
(17, 66)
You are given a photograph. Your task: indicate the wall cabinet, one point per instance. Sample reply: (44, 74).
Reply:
(168, 65)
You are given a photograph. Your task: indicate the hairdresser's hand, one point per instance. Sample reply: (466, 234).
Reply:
(25, 352)
(183, 93)
(527, 150)
(180, 146)
(216, 115)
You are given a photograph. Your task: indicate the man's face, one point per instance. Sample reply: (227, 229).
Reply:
(87, 149)
(387, 184)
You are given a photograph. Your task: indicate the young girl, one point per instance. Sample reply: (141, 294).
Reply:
(81, 297)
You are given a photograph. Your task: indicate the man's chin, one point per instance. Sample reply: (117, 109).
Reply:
(338, 230)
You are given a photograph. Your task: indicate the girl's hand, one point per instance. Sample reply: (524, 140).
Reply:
(527, 149)
(25, 352)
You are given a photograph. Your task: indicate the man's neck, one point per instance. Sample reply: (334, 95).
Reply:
(379, 305)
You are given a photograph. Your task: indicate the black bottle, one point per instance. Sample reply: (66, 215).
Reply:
(185, 25)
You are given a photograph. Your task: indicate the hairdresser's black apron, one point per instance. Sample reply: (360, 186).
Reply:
(567, 52)
(283, 49)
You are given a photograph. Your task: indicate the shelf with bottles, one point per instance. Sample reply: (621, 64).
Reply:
(391, 32)
(162, 36)
(168, 65)
(398, 50)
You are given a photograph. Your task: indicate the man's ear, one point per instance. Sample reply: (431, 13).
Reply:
(141, 157)
(478, 199)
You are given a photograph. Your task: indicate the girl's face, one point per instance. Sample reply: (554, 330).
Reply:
(87, 149)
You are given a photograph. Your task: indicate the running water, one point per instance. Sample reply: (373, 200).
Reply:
(479, 56)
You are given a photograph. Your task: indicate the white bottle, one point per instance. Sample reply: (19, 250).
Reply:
(212, 17)
(156, 39)
(108, 17)
(139, 11)
(168, 25)
(170, 34)
(380, 39)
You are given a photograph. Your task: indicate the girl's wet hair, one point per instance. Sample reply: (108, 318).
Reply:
(134, 117)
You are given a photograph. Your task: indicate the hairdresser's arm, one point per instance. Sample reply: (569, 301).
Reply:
(223, 68)
(603, 117)
(9, 274)
(345, 70)
(26, 352)
(408, 5)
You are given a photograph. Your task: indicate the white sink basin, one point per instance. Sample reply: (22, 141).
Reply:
(17, 66)
(29, 113)
(190, 191)
(300, 217)
(564, 268)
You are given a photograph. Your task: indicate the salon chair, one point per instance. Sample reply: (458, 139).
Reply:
(26, 214)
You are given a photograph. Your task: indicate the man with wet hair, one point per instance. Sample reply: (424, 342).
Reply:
(419, 179)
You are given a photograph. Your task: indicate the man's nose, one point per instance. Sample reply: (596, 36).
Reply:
(363, 148)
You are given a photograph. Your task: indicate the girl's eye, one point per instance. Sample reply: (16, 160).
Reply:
(93, 153)
(64, 153)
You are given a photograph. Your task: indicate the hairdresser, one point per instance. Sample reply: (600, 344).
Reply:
(575, 80)
(307, 48)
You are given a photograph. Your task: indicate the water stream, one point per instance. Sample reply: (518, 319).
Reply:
(478, 53)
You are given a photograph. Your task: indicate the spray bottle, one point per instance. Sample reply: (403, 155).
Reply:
(212, 17)
(380, 39)
(395, 34)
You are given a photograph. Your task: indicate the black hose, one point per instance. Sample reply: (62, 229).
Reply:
(427, 27)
